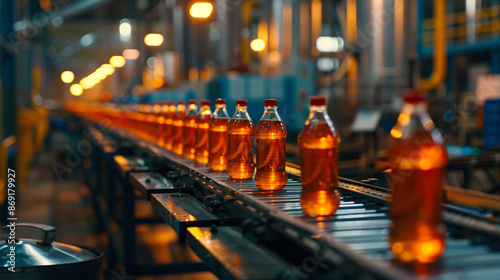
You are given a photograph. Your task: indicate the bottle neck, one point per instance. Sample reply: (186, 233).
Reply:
(172, 109)
(220, 111)
(205, 109)
(413, 119)
(181, 108)
(271, 113)
(419, 108)
(317, 112)
(241, 112)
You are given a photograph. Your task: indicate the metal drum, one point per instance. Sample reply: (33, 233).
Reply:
(46, 259)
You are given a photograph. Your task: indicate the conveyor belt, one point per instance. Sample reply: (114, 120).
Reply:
(356, 237)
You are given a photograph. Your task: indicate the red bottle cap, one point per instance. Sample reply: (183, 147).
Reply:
(270, 102)
(241, 102)
(192, 101)
(414, 96)
(181, 103)
(205, 103)
(317, 101)
(220, 101)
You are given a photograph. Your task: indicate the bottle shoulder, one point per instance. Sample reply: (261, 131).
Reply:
(271, 126)
(241, 125)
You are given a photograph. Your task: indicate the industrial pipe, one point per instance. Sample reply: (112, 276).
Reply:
(439, 61)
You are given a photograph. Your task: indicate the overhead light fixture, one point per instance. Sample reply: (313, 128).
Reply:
(57, 21)
(108, 68)
(93, 80)
(76, 90)
(201, 10)
(117, 61)
(329, 44)
(131, 54)
(257, 45)
(85, 83)
(101, 75)
(87, 40)
(102, 71)
(150, 62)
(125, 30)
(67, 76)
(327, 64)
(153, 39)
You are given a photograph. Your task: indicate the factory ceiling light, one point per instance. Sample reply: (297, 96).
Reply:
(67, 77)
(131, 53)
(329, 44)
(108, 68)
(101, 75)
(85, 83)
(257, 45)
(117, 61)
(76, 90)
(201, 10)
(153, 39)
(125, 30)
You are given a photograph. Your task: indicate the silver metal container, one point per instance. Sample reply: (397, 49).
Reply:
(46, 259)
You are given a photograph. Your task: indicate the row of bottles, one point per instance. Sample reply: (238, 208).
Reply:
(227, 144)
(418, 158)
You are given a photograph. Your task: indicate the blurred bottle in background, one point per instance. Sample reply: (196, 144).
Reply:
(217, 160)
(189, 132)
(169, 120)
(178, 126)
(418, 160)
(202, 133)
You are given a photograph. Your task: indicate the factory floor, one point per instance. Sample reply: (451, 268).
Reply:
(65, 205)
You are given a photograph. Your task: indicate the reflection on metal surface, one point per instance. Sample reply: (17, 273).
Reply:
(226, 251)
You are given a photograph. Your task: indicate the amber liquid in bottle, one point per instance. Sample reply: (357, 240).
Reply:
(167, 131)
(217, 160)
(189, 133)
(419, 160)
(271, 154)
(202, 134)
(160, 132)
(241, 132)
(177, 131)
(319, 142)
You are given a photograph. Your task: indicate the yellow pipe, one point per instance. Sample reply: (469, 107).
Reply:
(439, 62)
(352, 72)
(316, 13)
(6, 144)
(351, 20)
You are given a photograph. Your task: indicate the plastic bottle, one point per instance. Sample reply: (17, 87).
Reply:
(241, 131)
(169, 120)
(203, 133)
(190, 130)
(319, 143)
(217, 158)
(177, 128)
(150, 125)
(418, 158)
(160, 109)
(271, 149)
